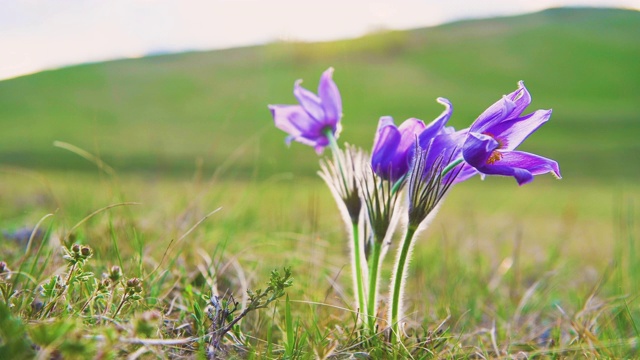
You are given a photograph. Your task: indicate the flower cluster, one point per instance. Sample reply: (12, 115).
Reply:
(411, 168)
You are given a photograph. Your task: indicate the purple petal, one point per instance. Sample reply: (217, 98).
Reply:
(385, 145)
(437, 125)
(509, 107)
(535, 164)
(449, 146)
(309, 101)
(521, 98)
(512, 133)
(320, 148)
(409, 131)
(301, 140)
(330, 98)
(296, 122)
(448, 130)
(478, 148)
(495, 114)
(522, 166)
(522, 176)
(465, 174)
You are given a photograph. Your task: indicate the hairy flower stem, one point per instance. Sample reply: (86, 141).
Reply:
(359, 279)
(73, 268)
(373, 285)
(397, 289)
(335, 149)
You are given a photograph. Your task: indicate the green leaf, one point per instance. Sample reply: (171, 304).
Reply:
(288, 321)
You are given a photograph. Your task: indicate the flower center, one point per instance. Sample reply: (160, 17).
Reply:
(501, 144)
(495, 156)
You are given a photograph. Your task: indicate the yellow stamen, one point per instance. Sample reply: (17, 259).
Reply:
(495, 156)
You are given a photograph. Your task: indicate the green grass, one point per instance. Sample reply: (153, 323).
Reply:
(549, 269)
(532, 263)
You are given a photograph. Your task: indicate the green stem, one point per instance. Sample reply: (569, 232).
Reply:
(398, 280)
(124, 298)
(73, 268)
(335, 149)
(373, 285)
(333, 143)
(451, 166)
(359, 279)
(398, 185)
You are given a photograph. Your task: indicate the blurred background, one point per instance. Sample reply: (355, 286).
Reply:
(162, 113)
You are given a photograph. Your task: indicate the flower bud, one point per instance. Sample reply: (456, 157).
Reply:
(134, 285)
(115, 273)
(104, 284)
(85, 251)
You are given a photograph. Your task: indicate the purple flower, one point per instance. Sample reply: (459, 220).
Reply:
(389, 158)
(492, 138)
(309, 122)
(446, 147)
(393, 147)
(438, 141)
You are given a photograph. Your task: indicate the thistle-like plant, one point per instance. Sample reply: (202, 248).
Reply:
(132, 292)
(54, 289)
(222, 310)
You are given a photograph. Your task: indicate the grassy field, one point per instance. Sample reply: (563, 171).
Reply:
(545, 270)
(502, 270)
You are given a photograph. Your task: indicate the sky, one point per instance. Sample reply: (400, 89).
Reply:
(45, 34)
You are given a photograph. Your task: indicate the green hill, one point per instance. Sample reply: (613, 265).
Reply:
(161, 113)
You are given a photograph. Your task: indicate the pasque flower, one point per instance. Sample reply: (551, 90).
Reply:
(423, 160)
(389, 158)
(316, 117)
(443, 145)
(393, 145)
(426, 187)
(493, 137)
